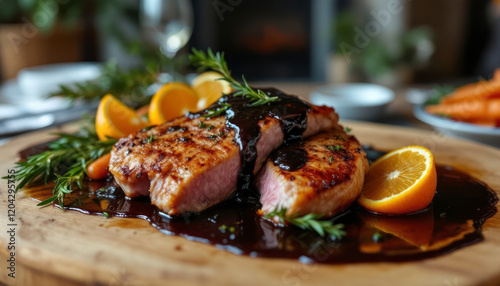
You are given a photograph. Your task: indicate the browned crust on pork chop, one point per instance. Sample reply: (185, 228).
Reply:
(329, 181)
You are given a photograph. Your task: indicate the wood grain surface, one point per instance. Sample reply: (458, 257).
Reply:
(69, 248)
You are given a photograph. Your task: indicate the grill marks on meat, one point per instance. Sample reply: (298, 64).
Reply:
(188, 168)
(180, 151)
(181, 166)
(311, 177)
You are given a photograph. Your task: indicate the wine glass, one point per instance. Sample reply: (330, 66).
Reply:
(167, 24)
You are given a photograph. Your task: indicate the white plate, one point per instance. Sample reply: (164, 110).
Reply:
(488, 135)
(40, 81)
(13, 101)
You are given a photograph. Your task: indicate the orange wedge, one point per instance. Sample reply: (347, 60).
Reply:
(209, 88)
(174, 99)
(115, 120)
(403, 181)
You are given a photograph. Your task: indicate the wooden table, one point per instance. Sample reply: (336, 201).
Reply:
(68, 248)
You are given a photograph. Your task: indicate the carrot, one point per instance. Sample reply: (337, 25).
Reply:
(474, 91)
(477, 103)
(496, 75)
(143, 111)
(99, 168)
(477, 110)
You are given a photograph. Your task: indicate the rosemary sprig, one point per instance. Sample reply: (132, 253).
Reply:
(311, 222)
(217, 63)
(219, 111)
(131, 86)
(65, 163)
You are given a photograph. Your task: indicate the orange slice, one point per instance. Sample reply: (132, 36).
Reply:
(174, 99)
(403, 181)
(209, 88)
(115, 120)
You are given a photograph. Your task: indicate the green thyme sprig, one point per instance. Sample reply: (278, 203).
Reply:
(334, 148)
(65, 163)
(310, 222)
(150, 139)
(217, 63)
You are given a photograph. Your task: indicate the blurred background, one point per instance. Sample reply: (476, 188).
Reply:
(128, 46)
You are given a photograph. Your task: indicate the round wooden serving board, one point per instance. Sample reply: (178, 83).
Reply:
(65, 248)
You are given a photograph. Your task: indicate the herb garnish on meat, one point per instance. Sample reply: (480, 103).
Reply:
(219, 111)
(217, 63)
(334, 148)
(311, 222)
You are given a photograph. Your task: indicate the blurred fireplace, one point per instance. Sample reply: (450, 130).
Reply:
(267, 40)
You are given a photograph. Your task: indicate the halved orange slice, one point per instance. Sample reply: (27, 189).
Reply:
(115, 120)
(174, 99)
(209, 88)
(402, 181)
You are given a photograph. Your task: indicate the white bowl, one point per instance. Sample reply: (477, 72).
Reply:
(40, 81)
(358, 101)
(488, 135)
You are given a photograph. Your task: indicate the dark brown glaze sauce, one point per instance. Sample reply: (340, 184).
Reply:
(290, 158)
(453, 221)
(290, 110)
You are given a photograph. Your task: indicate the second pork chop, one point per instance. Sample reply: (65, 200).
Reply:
(322, 175)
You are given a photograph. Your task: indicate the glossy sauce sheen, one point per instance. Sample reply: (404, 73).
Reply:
(453, 221)
(290, 158)
(290, 110)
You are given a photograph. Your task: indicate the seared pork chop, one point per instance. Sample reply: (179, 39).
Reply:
(190, 164)
(323, 174)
